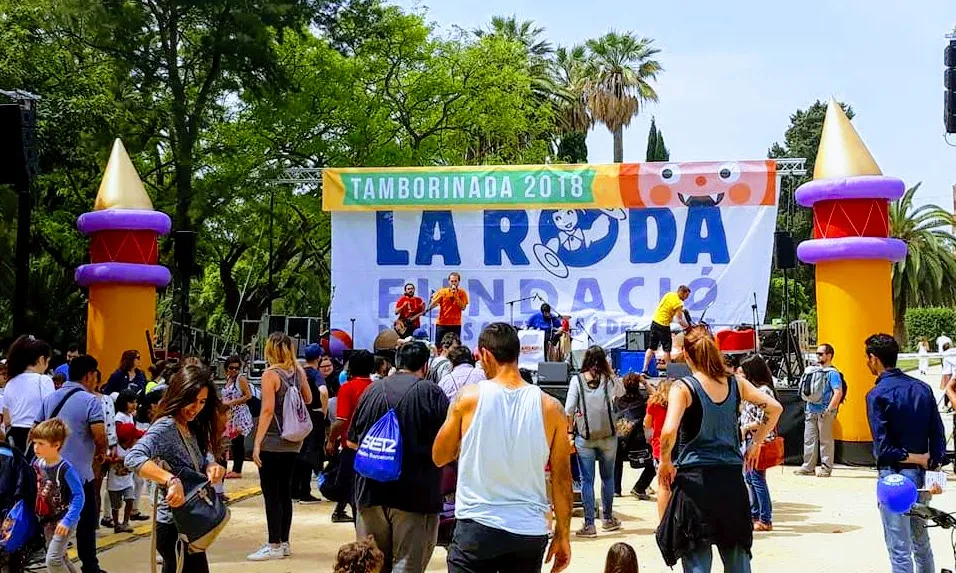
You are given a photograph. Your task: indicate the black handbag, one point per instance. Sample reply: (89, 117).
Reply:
(202, 516)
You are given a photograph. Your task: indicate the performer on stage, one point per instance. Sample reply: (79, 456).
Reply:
(549, 323)
(410, 307)
(670, 307)
(452, 301)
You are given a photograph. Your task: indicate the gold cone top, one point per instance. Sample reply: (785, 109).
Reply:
(121, 187)
(842, 153)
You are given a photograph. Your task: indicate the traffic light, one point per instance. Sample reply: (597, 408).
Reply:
(949, 81)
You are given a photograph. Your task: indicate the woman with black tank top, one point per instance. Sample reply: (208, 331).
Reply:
(274, 455)
(709, 504)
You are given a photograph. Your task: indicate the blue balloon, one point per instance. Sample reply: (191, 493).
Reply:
(896, 492)
(343, 377)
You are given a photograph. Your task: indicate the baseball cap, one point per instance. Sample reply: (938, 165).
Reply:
(313, 351)
(127, 432)
(420, 334)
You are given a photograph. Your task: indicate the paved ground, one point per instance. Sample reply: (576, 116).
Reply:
(820, 524)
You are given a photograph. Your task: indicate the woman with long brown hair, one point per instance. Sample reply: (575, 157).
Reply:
(186, 430)
(274, 455)
(590, 412)
(128, 374)
(709, 503)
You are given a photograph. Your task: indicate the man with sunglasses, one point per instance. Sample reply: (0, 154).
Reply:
(820, 413)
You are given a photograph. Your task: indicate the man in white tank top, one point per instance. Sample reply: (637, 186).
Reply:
(504, 432)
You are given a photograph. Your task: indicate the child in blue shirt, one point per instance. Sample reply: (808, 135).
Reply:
(59, 493)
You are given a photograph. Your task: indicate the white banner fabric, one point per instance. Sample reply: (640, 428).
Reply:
(606, 268)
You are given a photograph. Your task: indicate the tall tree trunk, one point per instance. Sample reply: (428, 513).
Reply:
(619, 144)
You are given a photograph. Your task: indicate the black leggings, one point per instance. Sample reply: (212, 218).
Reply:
(166, 537)
(275, 479)
(237, 448)
(17, 437)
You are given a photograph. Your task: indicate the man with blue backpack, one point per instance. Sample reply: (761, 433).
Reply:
(397, 485)
(822, 388)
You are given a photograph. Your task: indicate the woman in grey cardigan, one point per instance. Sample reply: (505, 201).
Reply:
(186, 429)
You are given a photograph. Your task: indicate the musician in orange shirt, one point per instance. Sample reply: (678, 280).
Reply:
(452, 301)
(410, 307)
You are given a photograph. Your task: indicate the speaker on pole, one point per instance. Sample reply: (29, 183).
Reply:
(18, 165)
(784, 250)
(949, 83)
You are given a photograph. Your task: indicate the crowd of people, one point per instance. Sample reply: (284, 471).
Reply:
(485, 463)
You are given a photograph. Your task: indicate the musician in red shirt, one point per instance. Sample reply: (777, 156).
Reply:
(410, 307)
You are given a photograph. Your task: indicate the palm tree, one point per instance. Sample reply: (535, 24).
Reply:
(538, 50)
(622, 66)
(571, 79)
(927, 276)
(525, 33)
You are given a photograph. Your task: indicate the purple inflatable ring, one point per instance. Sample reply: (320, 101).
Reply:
(122, 273)
(861, 187)
(827, 250)
(124, 220)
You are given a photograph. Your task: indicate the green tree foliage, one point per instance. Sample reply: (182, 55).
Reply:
(927, 276)
(621, 71)
(214, 99)
(656, 149)
(802, 139)
(929, 323)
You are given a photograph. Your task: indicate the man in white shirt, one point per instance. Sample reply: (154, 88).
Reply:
(948, 383)
(942, 340)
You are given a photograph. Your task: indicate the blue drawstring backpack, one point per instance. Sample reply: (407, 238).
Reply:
(379, 456)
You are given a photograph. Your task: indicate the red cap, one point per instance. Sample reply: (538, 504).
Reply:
(127, 432)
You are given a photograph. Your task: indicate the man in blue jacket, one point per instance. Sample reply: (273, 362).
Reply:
(908, 439)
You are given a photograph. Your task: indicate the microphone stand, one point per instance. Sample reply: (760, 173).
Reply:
(431, 320)
(511, 305)
(753, 307)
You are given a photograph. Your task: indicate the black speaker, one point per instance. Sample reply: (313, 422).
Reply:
(553, 373)
(184, 250)
(784, 250)
(18, 150)
(949, 82)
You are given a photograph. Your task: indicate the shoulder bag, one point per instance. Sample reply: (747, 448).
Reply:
(202, 516)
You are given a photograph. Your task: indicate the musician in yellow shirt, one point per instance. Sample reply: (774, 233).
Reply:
(670, 307)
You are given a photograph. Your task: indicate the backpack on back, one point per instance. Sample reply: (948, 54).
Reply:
(296, 422)
(814, 382)
(379, 456)
(51, 505)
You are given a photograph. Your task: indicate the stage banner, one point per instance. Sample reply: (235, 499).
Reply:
(631, 185)
(708, 226)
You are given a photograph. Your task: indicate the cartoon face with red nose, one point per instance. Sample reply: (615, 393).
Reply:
(705, 184)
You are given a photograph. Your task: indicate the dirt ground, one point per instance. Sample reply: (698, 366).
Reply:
(819, 525)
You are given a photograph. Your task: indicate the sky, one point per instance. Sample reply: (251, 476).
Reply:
(734, 72)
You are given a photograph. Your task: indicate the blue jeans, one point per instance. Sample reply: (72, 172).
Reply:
(735, 560)
(604, 452)
(760, 505)
(906, 537)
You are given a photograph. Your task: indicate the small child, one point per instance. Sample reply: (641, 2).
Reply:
(119, 482)
(59, 379)
(621, 558)
(359, 557)
(654, 423)
(59, 493)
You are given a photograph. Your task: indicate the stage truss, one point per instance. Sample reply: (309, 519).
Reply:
(786, 169)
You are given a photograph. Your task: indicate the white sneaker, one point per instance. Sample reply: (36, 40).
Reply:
(266, 553)
(286, 549)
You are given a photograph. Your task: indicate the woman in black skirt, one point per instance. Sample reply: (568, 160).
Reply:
(709, 503)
